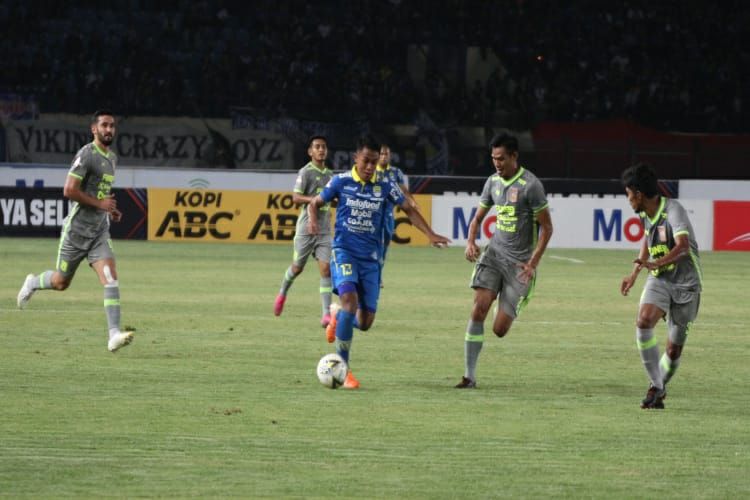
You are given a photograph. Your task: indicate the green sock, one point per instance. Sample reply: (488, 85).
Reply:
(112, 306)
(286, 284)
(649, 349)
(668, 367)
(473, 342)
(325, 294)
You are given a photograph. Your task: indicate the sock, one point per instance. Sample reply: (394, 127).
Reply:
(112, 306)
(344, 333)
(325, 294)
(649, 349)
(473, 343)
(43, 281)
(286, 283)
(668, 367)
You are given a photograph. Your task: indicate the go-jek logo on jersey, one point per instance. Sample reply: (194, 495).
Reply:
(612, 227)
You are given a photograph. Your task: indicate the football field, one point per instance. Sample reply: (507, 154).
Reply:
(217, 397)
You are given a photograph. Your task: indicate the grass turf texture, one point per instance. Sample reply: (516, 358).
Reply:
(217, 397)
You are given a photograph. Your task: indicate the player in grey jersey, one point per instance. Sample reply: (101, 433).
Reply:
(85, 232)
(507, 268)
(311, 180)
(673, 288)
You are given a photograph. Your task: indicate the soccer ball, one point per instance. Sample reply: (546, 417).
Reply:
(332, 370)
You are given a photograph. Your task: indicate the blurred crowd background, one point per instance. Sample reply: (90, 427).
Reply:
(671, 65)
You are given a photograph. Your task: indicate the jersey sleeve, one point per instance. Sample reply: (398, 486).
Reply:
(536, 196)
(485, 200)
(80, 166)
(300, 184)
(678, 219)
(401, 178)
(395, 195)
(331, 190)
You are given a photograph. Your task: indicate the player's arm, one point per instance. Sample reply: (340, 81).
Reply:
(472, 249)
(312, 213)
(544, 220)
(409, 197)
(417, 220)
(629, 281)
(72, 191)
(679, 251)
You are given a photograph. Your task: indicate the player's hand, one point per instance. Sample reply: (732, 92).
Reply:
(439, 241)
(649, 264)
(526, 273)
(627, 284)
(108, 203)
(116, 215)
(472, 251)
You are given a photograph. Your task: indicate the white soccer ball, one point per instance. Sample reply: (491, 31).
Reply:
(332, 370)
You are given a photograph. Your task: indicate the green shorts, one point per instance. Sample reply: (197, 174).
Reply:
(75, 247)
(679, 305)
(317, 245)
(503, 279)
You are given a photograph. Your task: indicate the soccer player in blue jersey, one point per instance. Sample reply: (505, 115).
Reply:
(669, 252)
(506, 270)
(358, 240)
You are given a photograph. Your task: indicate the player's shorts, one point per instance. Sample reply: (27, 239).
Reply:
(502, 277)
(365, 274)
(680, 305)
(75, 247)
(317, 245)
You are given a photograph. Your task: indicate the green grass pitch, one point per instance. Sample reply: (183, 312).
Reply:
(217, 397)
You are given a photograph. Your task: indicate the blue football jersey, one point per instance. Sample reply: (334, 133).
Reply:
(361, 212)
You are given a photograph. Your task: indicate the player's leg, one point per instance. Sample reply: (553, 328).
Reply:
(654, 305)
(485, 281)
(69, 256)
(323, 255)
(681, 317)
(512, 299)
(303, 247)
(102, 261)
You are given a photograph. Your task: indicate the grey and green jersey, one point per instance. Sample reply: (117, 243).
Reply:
(516, 201)
(96, 170)
(672, 220)
(310, 181)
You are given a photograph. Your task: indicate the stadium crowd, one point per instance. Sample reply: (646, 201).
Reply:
(663, 64)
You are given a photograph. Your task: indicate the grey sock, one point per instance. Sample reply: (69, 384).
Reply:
(473, 342)
(649, 349)
(668, 367)
(43, 281)
(112, 305)
(325, 294)
(286, 283)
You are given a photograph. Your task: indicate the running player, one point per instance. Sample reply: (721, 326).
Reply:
(85, 232)
(673, 288)
(507, 268)
(310, 181)
(358, 241)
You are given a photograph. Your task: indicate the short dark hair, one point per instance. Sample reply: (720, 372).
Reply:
(641, 177)
(100, 112)
(314, 137)
(368, 141)
(504, 140)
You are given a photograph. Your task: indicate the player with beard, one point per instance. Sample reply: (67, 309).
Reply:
(85, 232)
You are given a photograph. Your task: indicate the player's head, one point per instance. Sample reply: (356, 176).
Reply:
(385, 155)
(367, 155)
(317, 149)
(504, 154)
(640, 183)
(103, 126)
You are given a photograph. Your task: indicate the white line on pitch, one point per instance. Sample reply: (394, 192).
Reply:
(569, 259)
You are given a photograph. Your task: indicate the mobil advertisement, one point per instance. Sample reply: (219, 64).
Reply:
(243, 217)
(731, 225)
(577, 222)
